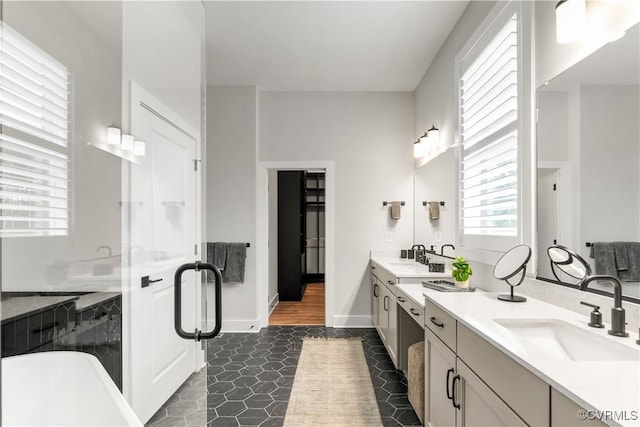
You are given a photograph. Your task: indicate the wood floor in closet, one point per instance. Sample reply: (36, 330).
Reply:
(309, 311)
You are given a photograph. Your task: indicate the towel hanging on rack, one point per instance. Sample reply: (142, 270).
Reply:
(395, 210)
(434, 210)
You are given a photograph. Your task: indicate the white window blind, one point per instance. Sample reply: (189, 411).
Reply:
(34, 122)
(489, 137)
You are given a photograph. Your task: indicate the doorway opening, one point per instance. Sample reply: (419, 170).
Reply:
(297, 247)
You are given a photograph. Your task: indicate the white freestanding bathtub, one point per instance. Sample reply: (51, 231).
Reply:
(61, 388)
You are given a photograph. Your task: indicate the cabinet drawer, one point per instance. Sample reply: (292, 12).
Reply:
(525, 393)
(440, 323)
(385, 277)
(414, 310)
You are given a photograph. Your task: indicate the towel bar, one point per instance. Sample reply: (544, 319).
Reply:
(425, 203)
(385, 203)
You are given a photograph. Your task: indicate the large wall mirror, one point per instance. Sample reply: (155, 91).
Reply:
(589, 163)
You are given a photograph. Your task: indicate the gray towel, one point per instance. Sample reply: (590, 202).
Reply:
(632, 273)
(216, 255)
(622, 256)
(605, 259)
(234, 267)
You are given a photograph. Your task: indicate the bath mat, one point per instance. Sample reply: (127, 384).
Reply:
(332, 386)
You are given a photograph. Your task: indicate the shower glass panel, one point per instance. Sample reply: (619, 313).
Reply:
(163, 88)
(60, 197)
(88, 227)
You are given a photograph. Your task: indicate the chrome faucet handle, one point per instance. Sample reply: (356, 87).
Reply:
(596, 316)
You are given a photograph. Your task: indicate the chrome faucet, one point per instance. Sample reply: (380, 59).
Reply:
(444, 246)
(617, 312)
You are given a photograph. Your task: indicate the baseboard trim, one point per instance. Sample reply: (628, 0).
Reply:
(274, 303)
(340, 321)
(231, 326)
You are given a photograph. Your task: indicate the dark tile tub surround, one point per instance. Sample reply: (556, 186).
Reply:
(71, 321)
(249, 376)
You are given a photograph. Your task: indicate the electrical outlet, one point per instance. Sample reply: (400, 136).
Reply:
(388, 237)
(438, 237)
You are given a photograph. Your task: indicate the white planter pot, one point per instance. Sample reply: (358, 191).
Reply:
(464, 284)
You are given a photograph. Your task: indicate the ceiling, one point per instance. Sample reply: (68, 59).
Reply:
(326, 45)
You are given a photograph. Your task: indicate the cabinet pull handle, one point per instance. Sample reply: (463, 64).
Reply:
(43, 328)
(400, 299)
(453, 392)
(414, 312)
(373, 267)
(384, 304)
(375, 287)
(390, 282)
(449, 372)
(436, 322)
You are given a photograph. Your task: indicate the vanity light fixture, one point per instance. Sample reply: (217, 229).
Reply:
(419, 146)
(113, 135)
(126, 142)
(434, 135)
(139, 148)
(571, 18)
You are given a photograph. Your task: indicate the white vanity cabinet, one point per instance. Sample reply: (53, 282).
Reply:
(457, 393)
(384, 307)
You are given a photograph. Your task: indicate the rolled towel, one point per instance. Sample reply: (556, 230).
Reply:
(395, 210)
(434, 210)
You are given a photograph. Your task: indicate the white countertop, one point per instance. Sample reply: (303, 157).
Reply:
(594, 385)
(18, 306)
(89, 300)
(403, 268)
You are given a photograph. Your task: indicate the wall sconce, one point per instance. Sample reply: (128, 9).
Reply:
(571, 19)
(123, 146)
(127, 142)
(429, 139)
(113, 135)
(139, 148)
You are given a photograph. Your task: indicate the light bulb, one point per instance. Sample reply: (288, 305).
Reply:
(139, 148)
(571, 18)
(127, 142)
(113, 135)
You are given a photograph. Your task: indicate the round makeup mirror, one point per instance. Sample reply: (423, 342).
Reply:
(568, 262)
(512, 263)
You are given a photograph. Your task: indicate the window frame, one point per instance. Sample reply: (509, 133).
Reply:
(488, 248)
(61, 150)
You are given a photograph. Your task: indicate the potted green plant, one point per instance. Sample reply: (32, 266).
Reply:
(461, 271)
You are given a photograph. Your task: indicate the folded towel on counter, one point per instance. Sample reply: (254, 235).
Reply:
(632, 273)
(236, 254)
(395, 210)
(216, 255)
(605, 259)
(434, 210)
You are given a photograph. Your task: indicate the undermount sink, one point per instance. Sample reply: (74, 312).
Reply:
(404, 263)
(563, 340)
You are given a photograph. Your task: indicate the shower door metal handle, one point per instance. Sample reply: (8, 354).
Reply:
(197, 335)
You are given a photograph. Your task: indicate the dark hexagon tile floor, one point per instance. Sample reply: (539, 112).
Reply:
(249, 379)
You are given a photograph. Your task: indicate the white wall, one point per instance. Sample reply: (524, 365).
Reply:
(609, 171)
(368, 137)
(232, 122)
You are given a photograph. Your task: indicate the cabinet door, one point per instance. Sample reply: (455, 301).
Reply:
(480, 406)
(564, 412)
(392, 329)
(375, 302)
(439, 365)
(383, 313)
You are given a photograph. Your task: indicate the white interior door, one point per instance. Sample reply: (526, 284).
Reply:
(548, 228)
(163, 236)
